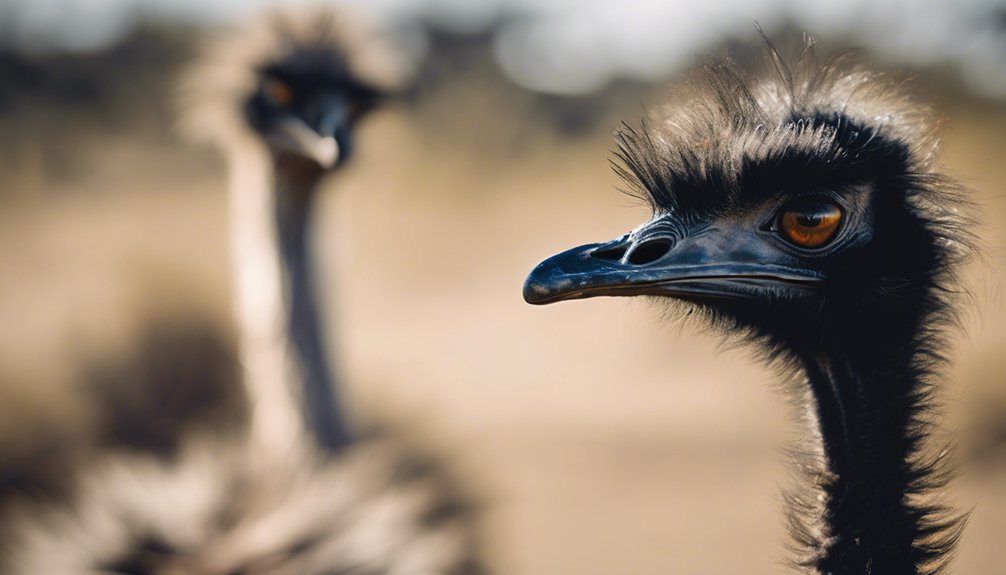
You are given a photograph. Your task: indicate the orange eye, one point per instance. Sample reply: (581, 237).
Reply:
(277, 92)
(810, 224)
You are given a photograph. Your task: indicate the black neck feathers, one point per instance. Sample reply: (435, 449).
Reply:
(870, 370)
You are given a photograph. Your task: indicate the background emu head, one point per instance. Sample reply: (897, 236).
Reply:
(297, 81)
(306, 105)
(798, 206)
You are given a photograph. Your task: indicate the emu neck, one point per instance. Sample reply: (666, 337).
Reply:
(296, 185)
(288, 376)
(866, 391)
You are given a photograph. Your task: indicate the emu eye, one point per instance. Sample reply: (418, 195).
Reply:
(809, 223)
(277, 92)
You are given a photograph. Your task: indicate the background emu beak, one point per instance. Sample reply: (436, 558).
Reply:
(299, 139)
(318, 140)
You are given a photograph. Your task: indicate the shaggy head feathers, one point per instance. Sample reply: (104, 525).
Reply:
(726, 134)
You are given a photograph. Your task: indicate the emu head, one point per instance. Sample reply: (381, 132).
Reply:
(307, 104)
(297, 81)
(790, 206)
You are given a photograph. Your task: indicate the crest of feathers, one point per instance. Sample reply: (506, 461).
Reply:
(226, 69)
(811, 119)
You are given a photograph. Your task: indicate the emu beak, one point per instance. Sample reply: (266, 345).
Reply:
(712, 264)
(295, 137)
(324, 139)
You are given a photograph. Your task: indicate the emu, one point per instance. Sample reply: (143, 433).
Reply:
(802, 210)
(297, 491)
(280, 99)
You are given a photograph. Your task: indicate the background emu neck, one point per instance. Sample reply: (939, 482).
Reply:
(296, 183)
(286, 371)
(868, 394)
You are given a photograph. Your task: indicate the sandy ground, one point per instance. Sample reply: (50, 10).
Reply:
(605, 439)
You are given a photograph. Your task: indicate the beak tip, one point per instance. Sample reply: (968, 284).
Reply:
(535, 293)
(547, 283)
(327, 152)
(559, 277)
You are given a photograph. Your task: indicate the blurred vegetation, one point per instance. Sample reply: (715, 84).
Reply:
(55, 108)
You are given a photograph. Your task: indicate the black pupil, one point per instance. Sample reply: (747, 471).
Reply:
(811, 219)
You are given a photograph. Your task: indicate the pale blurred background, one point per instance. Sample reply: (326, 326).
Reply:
(604, 439)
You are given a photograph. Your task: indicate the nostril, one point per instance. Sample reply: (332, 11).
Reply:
(649, 251)
(613, 254)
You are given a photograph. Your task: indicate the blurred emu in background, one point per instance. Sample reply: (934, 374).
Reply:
(289, 488)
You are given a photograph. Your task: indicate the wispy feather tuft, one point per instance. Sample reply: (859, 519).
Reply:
(693, 154)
